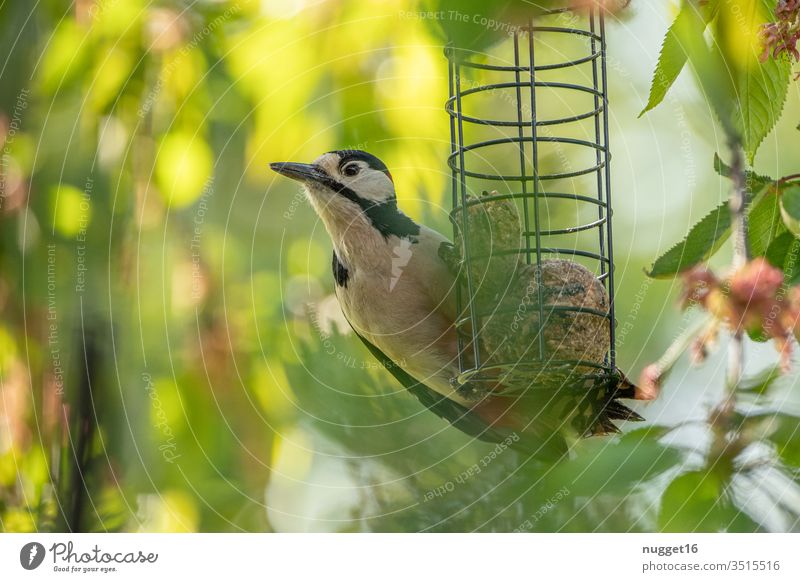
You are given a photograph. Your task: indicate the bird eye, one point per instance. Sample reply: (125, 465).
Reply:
(351, 170)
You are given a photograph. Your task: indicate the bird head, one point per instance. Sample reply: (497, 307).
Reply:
(354, 175)
(348, 185)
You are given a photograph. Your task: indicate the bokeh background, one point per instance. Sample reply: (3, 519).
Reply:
(171, 355)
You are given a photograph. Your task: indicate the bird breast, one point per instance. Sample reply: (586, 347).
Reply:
(401, 305)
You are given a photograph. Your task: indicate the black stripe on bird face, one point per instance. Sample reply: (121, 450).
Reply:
(384, 216)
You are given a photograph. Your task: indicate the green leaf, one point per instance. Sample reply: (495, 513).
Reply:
(779, 248)
(791, 201)
(790, 208)
(759, 89)
(786, 438)
(764, 225)
(711, 71)
(707, 236)
(784, 253)
(604, 467)
(791, 264)
(703, 240)
(673, 56)
(694, 502)
(762, 89)
(653, 432)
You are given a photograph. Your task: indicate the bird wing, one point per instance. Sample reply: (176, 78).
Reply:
(543, 446)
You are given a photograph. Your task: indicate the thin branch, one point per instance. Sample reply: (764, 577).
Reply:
(738, 203)
(682, 343)
(788, 178)
(741, 255)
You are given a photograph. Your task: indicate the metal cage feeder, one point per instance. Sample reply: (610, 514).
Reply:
(554, 167)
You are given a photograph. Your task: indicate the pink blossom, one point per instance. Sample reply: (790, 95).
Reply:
(649, 384)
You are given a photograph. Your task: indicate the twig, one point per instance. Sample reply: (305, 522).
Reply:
(676, 349)
(788, 178)
(741, 254)
(738, 203)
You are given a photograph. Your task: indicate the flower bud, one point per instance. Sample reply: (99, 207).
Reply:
(649, 383)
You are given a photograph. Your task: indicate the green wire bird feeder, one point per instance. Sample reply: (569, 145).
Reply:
(529, 127)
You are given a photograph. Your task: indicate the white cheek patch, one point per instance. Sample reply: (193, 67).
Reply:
(373, 185)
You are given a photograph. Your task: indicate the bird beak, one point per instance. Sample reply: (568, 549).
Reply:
(301, 172)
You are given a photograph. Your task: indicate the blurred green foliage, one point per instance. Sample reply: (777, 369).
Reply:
(171, 356)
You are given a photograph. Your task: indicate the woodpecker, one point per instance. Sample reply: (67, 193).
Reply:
(398, 294)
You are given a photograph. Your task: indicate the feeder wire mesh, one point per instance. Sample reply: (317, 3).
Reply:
(533, 182)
